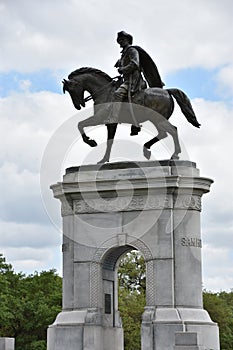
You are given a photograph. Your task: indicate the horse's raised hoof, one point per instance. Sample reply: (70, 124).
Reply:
(89, 141)
(92, 143)
(146, 153)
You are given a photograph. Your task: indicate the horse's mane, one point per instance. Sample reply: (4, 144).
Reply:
(86, 70)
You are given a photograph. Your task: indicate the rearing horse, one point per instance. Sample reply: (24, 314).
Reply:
(153, 104)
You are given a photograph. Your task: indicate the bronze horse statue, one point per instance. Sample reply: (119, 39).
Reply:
(152, 104)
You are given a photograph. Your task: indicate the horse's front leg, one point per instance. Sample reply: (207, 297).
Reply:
(84, 123)
(111, 134)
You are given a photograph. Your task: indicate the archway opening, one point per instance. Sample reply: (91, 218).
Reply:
(124, 292)
(131, 296)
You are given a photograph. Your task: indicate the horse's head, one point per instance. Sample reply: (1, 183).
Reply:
(76, 92)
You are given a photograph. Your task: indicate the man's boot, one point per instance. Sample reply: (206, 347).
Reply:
(135, 130)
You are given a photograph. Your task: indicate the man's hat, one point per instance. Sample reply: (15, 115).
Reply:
(123, 34)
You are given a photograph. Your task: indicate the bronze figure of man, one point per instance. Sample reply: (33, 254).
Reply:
(133, 62)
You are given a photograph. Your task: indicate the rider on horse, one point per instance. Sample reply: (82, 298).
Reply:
(133, 62)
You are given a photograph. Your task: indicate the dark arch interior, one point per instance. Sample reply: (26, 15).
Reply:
(113, 255)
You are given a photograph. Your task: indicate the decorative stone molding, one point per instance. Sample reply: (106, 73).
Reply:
(95, 285)
(142, 247)
(137, 203)
(187, 201)
(149, 314)
(66, 207)
(150, 283)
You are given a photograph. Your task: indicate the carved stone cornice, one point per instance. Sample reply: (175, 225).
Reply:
(66, 207)
(122, 204)
(186, 201)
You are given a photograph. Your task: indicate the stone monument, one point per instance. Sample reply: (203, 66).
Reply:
(110, 209)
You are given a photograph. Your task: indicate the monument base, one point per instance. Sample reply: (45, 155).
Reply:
(164, 327)
(109, 210)
(76, 330)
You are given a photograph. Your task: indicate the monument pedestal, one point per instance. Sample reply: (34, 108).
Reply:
(110, 209)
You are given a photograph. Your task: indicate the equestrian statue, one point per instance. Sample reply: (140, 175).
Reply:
(133, 97)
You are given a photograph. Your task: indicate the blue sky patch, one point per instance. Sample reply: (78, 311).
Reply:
(195, 82)
(43, 80)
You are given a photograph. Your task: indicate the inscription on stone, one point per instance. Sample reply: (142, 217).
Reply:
(191, 242)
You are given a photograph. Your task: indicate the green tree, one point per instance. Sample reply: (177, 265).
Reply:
(132, 272)
(132, 285)
(220, 308)
(28, 305)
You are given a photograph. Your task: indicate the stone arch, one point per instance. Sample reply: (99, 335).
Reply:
(106, 258)
(115, 243)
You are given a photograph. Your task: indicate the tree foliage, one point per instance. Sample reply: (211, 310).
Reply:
(132, 299)
(28, 305)
(132, 272)
(220, 308)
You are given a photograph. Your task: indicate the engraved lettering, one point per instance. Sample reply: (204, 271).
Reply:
(183, 240)
(191, 242)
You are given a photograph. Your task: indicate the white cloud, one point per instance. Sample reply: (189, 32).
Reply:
(28, 239)
(31, 260)
(177, 34)
(29, 235)
(217, 268)
(27, 122)
(225, 80)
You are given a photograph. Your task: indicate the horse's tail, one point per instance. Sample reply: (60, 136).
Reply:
(185, 106)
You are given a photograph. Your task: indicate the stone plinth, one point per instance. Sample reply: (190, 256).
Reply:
(7, 343)
(107, 210)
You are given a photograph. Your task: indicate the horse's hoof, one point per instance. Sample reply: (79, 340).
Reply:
(103, 161)
(146, 153)
(175, 157)
(92, 143)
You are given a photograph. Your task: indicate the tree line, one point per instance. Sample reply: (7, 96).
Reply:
(30, 303)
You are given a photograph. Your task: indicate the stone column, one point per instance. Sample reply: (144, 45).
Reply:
(110, 209)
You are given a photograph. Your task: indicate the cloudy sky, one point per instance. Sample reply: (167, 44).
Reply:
(41, 43)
